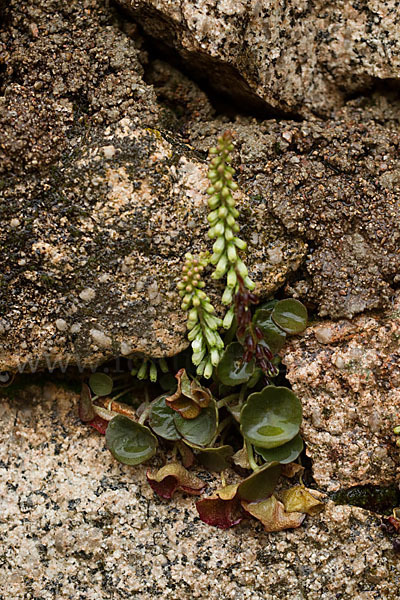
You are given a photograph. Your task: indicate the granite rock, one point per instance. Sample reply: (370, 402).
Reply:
(75, 524)
(103, 162)
(98, 206)
(297, 57)
(347, 374)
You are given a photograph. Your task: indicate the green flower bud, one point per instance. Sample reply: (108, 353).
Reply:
(222, 212)
(231, 252)
(231, 278)
(198, 344)
(197, 357)
(228, 318)
(249, 283)
(215, 357)
(194, 332)
(234, 212)
(193, 316)
(153, 372)
(215, 258)
(221, 267)
(241, 244)
(225, 192)
(213, 217)
(230, 201)
(212, 233)
(142, 373)
(396, 430)
(210, 190)
(212, 322)
(219, 228)
(196, 301)
(219, 245)
(210, 337)
(241, 269)
(228, 234)
(208, 308)
(233, 185)
(208, 370)
(201, 367)
(227, 296)
(230, 220)
(235, 227)
(213, 202)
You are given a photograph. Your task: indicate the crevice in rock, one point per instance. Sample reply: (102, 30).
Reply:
(378, 499)
(225, 88)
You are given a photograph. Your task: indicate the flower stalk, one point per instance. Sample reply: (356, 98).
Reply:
(202, 321)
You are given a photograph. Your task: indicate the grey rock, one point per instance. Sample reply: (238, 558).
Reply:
(297, 57)
(77, 524)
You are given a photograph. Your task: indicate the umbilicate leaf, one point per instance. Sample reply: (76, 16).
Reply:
(189, 397)
(215, 459)
(299, 498)
(231, 369)
(284, 454)
(202, 429)
(271, 418)
(161, 419)
(273, 335)
(272, 515)
(222, 509)
(260, 484)
(101, 384)
(174, 477)
(290, 315)
(129, 442)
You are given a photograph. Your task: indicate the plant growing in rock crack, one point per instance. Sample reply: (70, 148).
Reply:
(220, 408)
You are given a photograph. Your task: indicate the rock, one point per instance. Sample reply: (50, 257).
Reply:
(349, 385)
(295, 57)
(331, 197)
(73, 520)
(102, 192)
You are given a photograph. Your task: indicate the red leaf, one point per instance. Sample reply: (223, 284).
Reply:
(223, 509)
(174, 477)
(99, 424)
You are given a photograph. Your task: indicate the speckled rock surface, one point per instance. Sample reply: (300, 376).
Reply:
(347, 375)
(102, 192)
(334, 185)
(92, 243)
(76, 525)
(296, 56)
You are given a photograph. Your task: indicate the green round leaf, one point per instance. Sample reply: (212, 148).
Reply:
(161, 420)
(260, 484)
(271, 417)
(290, 315)
(231, 369)
(282, 454)
(129, 442)
(202, 429)
(101, 384)
(269, 305)
(273, 335)
(215, 459)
